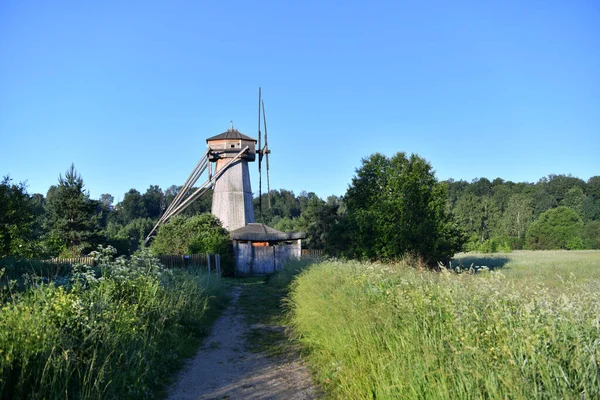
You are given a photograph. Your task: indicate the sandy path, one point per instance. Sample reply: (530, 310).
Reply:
(225, 369)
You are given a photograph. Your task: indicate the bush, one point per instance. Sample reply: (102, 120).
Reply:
(192, 235)
(493, 245)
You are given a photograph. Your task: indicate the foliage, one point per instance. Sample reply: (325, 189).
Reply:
(494, 215)
(517, 217)
(396, 206)
(108, 336)
(131, 237)
(574, 199)
(132, 207)
(558, 228)
(371, 331)
(591, 235)
(16, 220)
(477, 216)
(72, 221)
(501, 211)
(199, 234)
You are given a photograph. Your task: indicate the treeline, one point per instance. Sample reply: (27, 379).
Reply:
(381, 215)
(68, 223)
(557, 212)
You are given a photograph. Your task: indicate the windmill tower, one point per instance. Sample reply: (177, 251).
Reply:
(232, 194)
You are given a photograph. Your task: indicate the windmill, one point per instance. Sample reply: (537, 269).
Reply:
(226, 160)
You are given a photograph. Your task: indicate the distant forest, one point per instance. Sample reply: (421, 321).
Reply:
(558, 211)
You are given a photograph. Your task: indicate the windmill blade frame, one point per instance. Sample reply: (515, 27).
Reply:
(259, 156)
(266, 152)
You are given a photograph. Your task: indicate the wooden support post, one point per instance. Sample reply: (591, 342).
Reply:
(208, 262)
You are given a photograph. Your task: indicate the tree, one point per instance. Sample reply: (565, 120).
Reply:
(72, 219)
(593, 187)
(574, 199)
(590, 208)
(517, 217)
(477, 215)
(591, 235)
(396, 206)
(559, 185)
(317, 220)
(154, 201)
(132, 207)
(16, 220)
(481, 187)
(542, 201)
(558, 228)
(107, 200)
(192, 235)
(129, 238)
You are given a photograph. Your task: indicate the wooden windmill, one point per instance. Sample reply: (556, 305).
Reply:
(226, 160)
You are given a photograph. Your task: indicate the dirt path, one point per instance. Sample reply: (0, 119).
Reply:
(225, 368)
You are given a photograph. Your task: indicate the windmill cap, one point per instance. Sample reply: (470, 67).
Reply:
(231, 134)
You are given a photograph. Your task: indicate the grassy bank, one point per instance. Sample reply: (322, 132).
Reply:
(110, 332)
(530, 330)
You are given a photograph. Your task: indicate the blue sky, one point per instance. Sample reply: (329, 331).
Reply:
(129, 91)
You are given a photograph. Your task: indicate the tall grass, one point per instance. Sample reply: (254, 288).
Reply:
(390, 331)
(113, 335)
(551, 267)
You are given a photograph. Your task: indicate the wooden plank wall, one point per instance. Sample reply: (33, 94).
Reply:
(264, 260)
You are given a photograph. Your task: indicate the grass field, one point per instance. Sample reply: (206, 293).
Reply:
(530, 328)
(551, 267)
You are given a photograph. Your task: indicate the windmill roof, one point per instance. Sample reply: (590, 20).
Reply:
(263, 233)
(231, 134)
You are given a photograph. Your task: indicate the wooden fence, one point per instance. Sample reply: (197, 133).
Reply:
(71, 261)
(308, 253)
(211, 261)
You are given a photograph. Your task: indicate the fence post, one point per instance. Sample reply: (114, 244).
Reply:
(208, 262)
(218, 262)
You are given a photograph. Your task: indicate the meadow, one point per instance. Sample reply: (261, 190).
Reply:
(525, 327)
(109, 332)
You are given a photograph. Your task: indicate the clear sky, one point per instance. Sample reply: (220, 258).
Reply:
(130, 90)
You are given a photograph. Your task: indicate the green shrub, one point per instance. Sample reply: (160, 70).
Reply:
(492, 245)
(195, 235)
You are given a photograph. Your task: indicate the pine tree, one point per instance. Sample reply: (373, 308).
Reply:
(72, 219)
